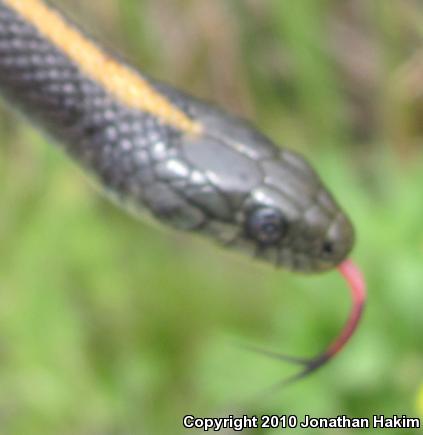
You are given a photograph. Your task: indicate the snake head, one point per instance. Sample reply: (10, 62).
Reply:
(292, 219)
(251, 195)
(261, 199)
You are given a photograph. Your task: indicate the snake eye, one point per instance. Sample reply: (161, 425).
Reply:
(266, 225)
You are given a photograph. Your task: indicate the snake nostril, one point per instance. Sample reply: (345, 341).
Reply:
(328, 248)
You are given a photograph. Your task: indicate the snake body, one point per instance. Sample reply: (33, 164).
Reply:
(154, 148)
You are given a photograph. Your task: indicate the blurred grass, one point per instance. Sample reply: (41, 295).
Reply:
(108, 326)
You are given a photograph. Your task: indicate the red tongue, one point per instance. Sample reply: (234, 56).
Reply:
(357, 285)
(355, 280)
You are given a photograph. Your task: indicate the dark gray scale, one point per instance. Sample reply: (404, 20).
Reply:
(117, 144)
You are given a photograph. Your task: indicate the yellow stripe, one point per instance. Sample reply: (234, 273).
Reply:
(126, 85)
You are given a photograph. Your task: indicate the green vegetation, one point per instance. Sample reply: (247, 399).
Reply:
(110, 326)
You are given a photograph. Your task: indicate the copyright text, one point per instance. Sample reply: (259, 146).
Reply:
(238, 424)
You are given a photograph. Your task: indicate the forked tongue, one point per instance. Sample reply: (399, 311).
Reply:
(357, 286)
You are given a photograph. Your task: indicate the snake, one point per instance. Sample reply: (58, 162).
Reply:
(160, 152)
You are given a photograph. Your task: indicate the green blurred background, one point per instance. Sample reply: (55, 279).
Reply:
(110, 326)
